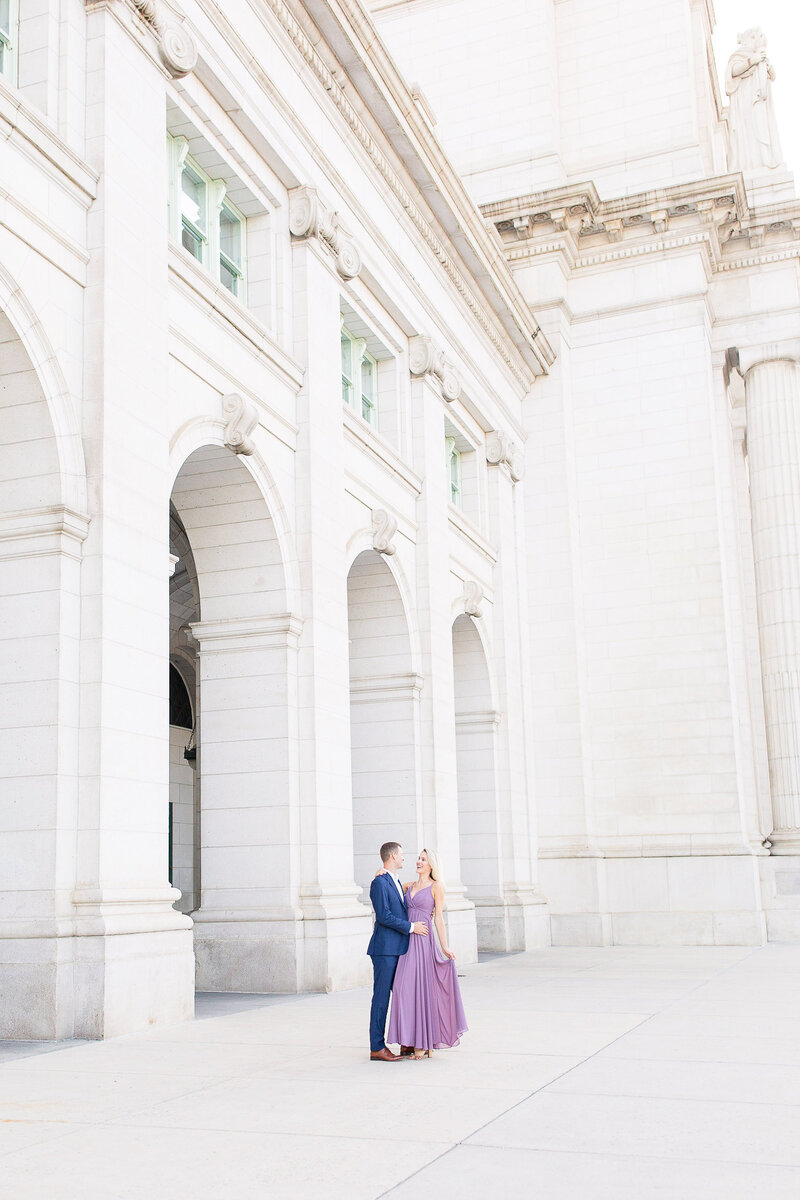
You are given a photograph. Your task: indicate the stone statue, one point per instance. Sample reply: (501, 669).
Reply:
(754, 142)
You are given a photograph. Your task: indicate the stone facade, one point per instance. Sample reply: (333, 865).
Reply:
(467, 526)
(662, 471)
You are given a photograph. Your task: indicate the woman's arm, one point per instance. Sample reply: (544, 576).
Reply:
(438, 919)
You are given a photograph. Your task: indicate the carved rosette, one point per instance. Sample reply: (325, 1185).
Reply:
(473, 596)
(425, 358)
(384, 527)
(241, 419)
(176, 47)
(309, 218)
(500, 449)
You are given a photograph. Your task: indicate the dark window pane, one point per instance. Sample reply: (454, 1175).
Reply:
(180, 708)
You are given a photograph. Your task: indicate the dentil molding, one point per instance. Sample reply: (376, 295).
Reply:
(384, 527)
(241, 418)
(309, 218)
(176, 47)
(426, 358)
(500, 449)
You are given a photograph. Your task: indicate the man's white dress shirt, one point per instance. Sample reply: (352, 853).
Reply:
(399, 887)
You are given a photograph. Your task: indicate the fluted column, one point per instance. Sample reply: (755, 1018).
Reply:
(772, 393)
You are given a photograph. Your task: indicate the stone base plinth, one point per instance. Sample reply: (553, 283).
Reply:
(518, 921)
(320, 947)
(95, 986)
(689, 900)
(780, 888)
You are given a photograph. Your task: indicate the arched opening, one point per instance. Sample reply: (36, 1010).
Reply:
(40, 550)
(231, 643)
(383, 716)
(184, 786)
(479, 835)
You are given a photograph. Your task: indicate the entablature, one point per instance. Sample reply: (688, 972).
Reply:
(575, 223)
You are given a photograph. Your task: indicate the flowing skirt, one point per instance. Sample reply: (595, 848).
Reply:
(427, 1011)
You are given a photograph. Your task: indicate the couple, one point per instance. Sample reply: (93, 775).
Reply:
(427, 1012)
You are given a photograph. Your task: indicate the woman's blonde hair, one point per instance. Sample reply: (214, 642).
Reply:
(435, 865)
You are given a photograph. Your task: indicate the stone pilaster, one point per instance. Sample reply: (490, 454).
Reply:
(772, 390)
(336, 926)
(524, 922)
(439, 762)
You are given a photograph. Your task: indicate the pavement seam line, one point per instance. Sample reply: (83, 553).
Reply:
(563, 1074)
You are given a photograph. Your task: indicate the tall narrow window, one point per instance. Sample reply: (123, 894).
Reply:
(359, 378)
(9, 22)
(369, 379)
(194, 217)
(347, 368)
(231, 260)
(205, 222)
(454, 472)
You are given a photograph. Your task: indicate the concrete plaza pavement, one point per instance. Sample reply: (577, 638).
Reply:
(592, 1073)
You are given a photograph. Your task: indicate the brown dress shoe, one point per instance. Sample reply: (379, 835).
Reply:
(406, 1051)
(383, 1055)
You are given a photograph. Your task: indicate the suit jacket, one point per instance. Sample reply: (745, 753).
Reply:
(391, 932)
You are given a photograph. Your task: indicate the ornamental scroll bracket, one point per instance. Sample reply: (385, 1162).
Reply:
(176, 47)
(384, 527)
(500, 449)
(309, 218)
(426, 358)
(241, 418)
(473, 596)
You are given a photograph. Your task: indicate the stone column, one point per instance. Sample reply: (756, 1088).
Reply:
(434, 586)
(336, 926)
(134, 963)
(247, 929)
(525, 913)
(772, 394)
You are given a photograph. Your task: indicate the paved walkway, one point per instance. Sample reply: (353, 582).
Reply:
(624, 1073)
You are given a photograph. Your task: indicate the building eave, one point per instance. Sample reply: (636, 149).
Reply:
(353, 38)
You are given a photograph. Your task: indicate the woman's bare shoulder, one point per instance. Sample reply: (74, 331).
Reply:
(438, 887)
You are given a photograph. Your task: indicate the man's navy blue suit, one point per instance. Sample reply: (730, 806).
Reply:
(389, 940)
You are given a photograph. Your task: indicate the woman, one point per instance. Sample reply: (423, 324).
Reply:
(427, 1012)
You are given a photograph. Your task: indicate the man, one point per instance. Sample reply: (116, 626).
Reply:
(389, 940)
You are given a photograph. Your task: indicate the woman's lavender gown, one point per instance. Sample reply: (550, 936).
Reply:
(426, 1000)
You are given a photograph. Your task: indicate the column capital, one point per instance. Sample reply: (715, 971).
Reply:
(502, 450)
(786, 350)
(425, 357)
(246, 633)
(310, 218)
(57, 530)
(176, 46)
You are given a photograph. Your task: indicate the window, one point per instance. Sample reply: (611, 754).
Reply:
(454, 472)
(207, 224)
(359, 378)
(9, 21)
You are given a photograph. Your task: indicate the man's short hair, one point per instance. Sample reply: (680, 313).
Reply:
(388, 849)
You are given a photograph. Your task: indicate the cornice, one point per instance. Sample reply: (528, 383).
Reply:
(587, 232)
(353, 37)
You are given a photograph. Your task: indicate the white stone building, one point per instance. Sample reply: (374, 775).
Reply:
(477, 527)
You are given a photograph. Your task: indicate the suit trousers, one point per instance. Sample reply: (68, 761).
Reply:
(383, 969)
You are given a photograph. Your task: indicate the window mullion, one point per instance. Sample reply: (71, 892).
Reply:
(216, 195)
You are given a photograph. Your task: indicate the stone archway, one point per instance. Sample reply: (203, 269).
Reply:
(479, 832)
(245, 645)
(41, 539)
(384, 717)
